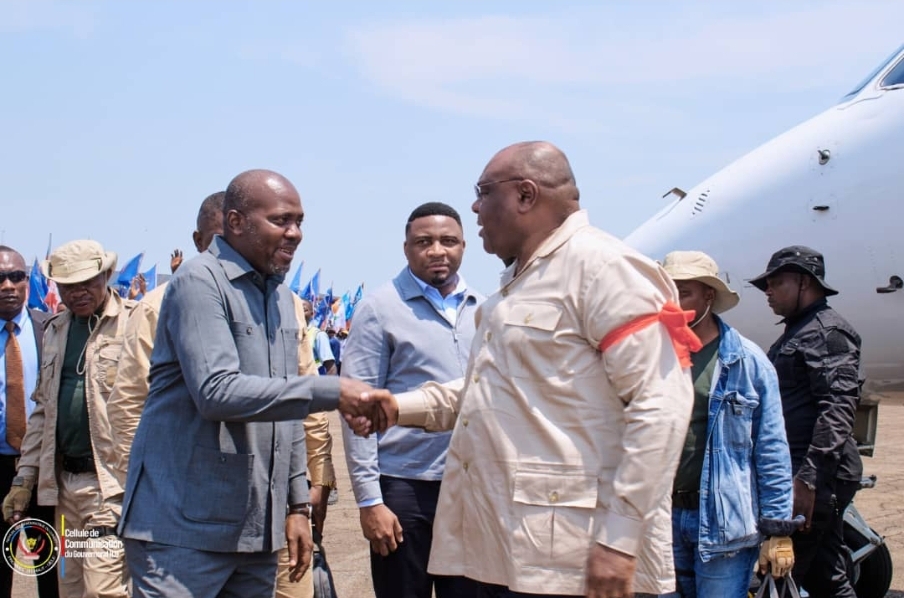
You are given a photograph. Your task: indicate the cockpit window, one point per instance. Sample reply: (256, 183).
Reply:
(895, 76)
(873, 74)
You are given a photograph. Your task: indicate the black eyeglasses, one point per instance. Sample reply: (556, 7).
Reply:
(478, 188)
(15, 277)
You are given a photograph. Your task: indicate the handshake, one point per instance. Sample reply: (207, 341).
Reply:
(366, 410)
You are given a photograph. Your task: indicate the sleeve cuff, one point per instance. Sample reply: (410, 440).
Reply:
(370, 503)
(26, 471)
(620, 533)
(321, 472)
(367, 492)
(298, 491)
(325, 394)
(807, 475)
(412, 408)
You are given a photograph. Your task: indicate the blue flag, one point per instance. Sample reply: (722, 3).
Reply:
(151, 278)
(295, 285)
(312, 290)
(37, 288)
(128, 272)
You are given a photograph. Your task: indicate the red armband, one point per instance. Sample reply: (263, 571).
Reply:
(675, 321)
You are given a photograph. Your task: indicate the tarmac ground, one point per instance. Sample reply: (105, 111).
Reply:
(882, 507)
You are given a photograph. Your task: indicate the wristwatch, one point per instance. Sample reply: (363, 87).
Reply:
(303, 508)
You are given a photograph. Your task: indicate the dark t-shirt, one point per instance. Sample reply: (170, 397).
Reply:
(73, 436)
(690, 467)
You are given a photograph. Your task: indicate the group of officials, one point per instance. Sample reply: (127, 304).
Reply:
(592, 428)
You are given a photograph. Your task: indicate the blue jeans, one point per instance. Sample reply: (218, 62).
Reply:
(721, 577)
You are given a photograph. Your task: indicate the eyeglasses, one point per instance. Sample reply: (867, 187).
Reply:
(478, 188)
(84, 285)
(15, 277)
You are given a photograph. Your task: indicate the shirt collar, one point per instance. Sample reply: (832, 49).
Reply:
(556, 239)
(460, 287)
(234, 265)
(19, 319)
(800, 315)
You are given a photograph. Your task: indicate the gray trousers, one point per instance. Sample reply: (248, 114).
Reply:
(162, 571)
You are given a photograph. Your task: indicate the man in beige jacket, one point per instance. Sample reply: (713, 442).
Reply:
(68, 448)
(127, 400)
(568, 425)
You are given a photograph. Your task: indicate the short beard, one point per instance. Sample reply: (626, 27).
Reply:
(276, 270)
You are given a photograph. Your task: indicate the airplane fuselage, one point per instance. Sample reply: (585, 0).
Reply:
(834, 183)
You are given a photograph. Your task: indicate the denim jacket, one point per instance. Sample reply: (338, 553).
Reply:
(745, 488)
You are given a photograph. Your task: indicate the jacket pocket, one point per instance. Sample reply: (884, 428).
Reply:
(105, 369)
(217, 486)
(530, 334)
(552, 518)
(737, 421)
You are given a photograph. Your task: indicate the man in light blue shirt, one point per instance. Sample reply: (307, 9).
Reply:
(414, 329)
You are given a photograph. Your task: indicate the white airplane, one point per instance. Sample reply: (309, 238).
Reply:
(834, 183)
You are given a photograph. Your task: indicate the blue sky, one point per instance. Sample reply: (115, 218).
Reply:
(117, 118)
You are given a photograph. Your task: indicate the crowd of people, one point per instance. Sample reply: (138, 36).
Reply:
(593, 427)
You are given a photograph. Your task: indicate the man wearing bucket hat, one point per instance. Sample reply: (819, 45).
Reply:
(735, 452)
(68, 450)
(818, 364)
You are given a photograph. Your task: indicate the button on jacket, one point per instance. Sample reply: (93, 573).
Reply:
(555, 444)
(39, 453)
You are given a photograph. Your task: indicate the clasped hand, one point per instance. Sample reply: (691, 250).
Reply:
(365, 409)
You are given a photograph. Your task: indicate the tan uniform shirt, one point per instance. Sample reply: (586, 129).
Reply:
(101, 359)
(127, 399)
(555, 444)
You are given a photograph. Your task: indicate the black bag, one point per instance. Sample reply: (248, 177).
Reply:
(324, 586)
(769, 588)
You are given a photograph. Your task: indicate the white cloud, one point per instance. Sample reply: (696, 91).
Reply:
(499, 66)
(25, 16)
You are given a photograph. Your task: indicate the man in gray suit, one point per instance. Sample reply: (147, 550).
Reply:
(219, 451)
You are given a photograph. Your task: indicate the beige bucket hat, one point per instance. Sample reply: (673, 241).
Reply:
(696, 265)
(77, 261)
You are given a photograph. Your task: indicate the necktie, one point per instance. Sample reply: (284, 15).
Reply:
(15, 390)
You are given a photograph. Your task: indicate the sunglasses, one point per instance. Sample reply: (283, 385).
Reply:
(16, 276)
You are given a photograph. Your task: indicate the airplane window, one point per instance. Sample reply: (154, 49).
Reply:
(895, 76)
(872, 75)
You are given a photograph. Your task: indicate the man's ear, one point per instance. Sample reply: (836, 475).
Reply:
(528, 193)
(234, 221)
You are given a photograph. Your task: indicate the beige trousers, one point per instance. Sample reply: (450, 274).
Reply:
(287, 589)
(94, 560)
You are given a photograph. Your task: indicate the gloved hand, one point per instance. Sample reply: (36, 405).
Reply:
(778, 552)
(16, 502)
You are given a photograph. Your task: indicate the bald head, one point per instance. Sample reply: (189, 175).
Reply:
(246, 189)
(526, 191)
(262, 218)
(541, 162)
